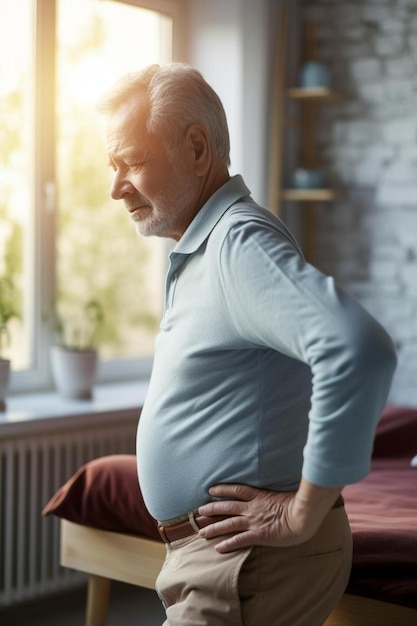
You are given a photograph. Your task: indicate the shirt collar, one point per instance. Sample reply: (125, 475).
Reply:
(210, 213)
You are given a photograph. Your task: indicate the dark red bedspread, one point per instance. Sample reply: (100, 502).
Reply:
(382, 511)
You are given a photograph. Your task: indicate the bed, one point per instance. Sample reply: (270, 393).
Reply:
(121, 542)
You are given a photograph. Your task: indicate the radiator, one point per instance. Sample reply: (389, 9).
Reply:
(32, 468)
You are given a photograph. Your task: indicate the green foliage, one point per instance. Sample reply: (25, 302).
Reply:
(90, 39)
(78, 326)
(7, 311)
(11, 107)
(11, 241)
(10, 300)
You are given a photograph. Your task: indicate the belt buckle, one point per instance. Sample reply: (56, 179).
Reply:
(161, 531)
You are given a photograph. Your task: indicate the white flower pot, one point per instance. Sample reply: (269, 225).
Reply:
(74, 371)
(4, 382)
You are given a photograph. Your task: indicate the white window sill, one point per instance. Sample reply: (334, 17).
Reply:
(48, 411)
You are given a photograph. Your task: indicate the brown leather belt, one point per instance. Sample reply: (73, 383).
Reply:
(190, 526)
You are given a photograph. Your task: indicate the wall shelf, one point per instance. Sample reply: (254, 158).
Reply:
(309, 195)
(301, 116)
(320, 94)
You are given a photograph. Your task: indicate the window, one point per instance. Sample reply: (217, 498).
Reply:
(62, 239)
(15, 166)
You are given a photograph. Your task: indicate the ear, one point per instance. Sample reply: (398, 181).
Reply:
(199, 148)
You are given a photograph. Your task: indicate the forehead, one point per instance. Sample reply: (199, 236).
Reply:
(126, 127)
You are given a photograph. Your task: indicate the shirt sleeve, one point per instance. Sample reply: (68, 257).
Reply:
(279, 301)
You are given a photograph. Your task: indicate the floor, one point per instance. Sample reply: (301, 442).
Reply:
(129, 606)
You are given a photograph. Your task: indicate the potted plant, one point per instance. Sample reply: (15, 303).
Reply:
(74, 355)
(8, 312)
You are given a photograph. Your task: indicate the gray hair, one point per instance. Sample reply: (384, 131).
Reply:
(178, 97)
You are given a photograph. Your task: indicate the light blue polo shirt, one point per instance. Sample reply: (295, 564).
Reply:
(264, 368)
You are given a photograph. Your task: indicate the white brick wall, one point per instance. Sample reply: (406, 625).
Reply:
(368, 146)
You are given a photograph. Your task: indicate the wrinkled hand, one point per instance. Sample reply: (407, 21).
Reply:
(257, 517)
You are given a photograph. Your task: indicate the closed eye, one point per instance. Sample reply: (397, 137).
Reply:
(135, 167)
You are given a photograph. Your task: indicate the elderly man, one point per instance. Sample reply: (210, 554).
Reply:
(268, 379)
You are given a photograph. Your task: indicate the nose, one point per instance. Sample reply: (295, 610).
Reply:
(120, 187)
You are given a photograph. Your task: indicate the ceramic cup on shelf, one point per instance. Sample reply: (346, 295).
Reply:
(315, 74)
(304, 178)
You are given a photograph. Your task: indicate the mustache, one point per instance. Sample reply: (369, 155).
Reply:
(137, 201)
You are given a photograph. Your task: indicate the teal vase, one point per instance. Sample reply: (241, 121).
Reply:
(315, 74)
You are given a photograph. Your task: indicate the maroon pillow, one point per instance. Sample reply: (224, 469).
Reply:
(105, 494)
(396, 434)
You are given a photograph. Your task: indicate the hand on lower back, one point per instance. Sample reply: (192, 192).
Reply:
(264, 517)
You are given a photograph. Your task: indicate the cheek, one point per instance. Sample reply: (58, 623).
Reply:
(142, 183)
(152, 183)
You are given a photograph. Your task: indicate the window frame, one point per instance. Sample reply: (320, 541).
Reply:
(40, 275)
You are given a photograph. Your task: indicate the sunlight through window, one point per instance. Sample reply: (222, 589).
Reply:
(63, 241)
(99, 254)
(16, 113)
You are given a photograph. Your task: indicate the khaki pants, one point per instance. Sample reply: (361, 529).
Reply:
(258, 586)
